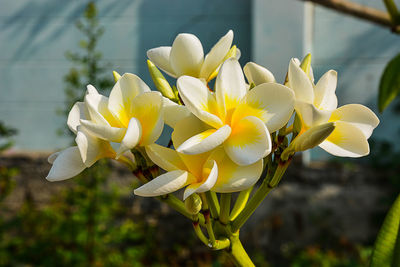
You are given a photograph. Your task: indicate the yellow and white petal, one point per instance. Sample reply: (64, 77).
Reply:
(160, 57)
(210, 171)
(166, 158)
(205, 141)
(67, 164)
(186, 128)
(147, 108)
(325, 97)
(232, 177)
(165, 183)
(346, 140)
(216, 55)
(132, 137)
(300, 83)
(249, 141)
(311, 115)
(187, 55)
(358, 115)
(96, 103)
(174, 112)
(271, 102)
(105, 132)
(230, 86)
(257, 74)
(121, 97)
(78, 111)
(199, 100)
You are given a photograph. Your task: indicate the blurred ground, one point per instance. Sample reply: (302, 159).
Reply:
(327, 205)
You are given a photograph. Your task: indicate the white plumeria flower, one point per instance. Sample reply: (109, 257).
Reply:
(199, 173)
(132, 115)
(240, 119)
(186, 56)
(317, 104)
(73, 160)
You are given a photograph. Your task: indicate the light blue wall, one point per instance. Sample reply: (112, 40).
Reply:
(34, 36)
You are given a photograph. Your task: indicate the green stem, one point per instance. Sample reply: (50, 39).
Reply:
(199, 233)
(225, 208)
(266, 186)
(209, 228)
(240, 203)
(237, 253)
(213, 204)
(179, 206)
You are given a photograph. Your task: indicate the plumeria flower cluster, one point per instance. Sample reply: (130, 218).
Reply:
(225, 137)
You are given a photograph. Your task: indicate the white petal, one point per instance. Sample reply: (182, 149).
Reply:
(104, 132)
(271, 102)
(91, 147)
(122, 95)
(166, 158)
(232, 177)
(230, 86)
(187, 55)
(174, 112)
(249, 141)
(199, 100)
(257, 74)
(205, 141)
(160, 57)
(300, 83)
(131, 138)
(186, 128)
(310, 114)
(147, 108)
(96, 104)
(67, 165)
(164, 184)
(53, 157)
(212, 169)
(346, 141)
(78, 112)
(358, 115)
(325, 97)
(216, 55)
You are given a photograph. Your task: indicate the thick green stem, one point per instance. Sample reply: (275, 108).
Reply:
(266, 186)
(240, 203)
(225, 208)
(213, 204)
(237, 252)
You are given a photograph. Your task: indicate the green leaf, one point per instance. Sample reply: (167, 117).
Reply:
(389, 86)
(386, 252)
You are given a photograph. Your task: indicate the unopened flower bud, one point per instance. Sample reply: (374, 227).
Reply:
(309, 139)
(306, 64)
(116, 76)
(193, 204)
(159, 80)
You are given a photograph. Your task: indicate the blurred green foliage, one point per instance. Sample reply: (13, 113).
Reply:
(316, 257)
